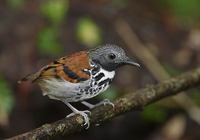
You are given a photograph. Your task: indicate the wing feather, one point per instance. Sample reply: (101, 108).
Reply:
(69, 68)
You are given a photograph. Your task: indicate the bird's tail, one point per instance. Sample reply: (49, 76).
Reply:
(31, 77)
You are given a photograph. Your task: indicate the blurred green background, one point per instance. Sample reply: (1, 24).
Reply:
(34, 32)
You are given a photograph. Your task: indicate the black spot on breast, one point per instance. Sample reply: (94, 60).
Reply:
(99, 76)
(87, 88)
(81, 90)
(90, 90)
(94, 90)
(93, 83)
(79, 93)
(104, 82)
(77, 97)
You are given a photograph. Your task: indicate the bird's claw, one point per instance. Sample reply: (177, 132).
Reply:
(106, 102)
(84, 114)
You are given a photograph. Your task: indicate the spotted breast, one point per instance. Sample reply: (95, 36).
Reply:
(99, 81)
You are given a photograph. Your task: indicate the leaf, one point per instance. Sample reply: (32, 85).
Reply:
(154, 113)
(110, 93)
(6, 102)
(88, 33)
(186, 11)
(120, 3)
(48, 41)
(173, 71)
(195, 96)
(55, 10)
(15, 4)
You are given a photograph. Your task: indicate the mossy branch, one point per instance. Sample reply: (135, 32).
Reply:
(131, 101)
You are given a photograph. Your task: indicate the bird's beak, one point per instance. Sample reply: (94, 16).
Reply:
(131, 62)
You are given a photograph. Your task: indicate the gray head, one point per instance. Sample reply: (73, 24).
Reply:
(110, 57)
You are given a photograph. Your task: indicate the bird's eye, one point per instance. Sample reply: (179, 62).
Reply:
(112, 56)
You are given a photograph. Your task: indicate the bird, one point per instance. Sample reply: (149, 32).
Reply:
(81, 76)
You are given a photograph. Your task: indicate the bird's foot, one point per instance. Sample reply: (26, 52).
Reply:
(84, 114)
(106, 102)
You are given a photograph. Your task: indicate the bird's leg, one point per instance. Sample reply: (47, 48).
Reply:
(104, 102)
(84, 114)
(89, 105)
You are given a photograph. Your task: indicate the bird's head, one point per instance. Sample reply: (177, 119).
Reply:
(110, 57)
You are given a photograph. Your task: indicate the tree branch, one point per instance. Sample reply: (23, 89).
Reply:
(126, 103)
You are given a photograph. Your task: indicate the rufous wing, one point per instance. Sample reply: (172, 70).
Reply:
(69, 68)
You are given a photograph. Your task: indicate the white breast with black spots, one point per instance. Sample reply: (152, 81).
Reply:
(100, 81)
(60, 89)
